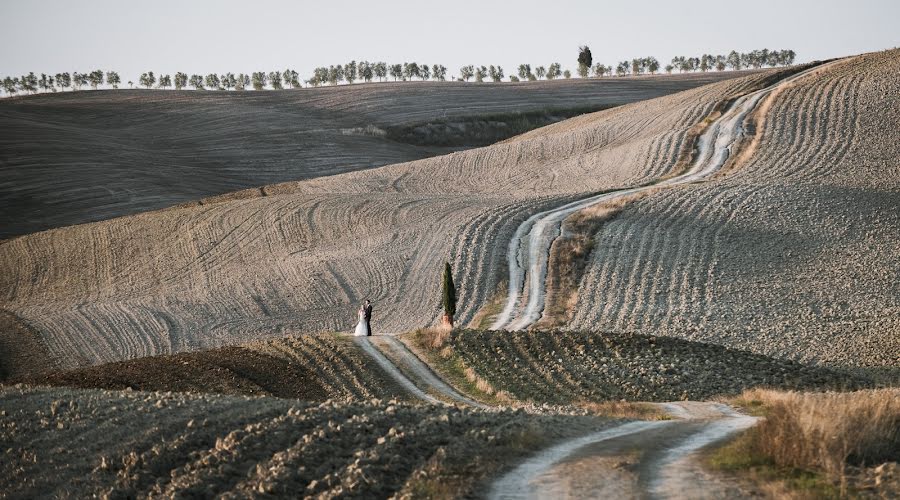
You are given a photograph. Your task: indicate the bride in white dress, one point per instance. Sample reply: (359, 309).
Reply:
(362, 328)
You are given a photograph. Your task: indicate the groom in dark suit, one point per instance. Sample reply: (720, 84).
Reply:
(367, 309)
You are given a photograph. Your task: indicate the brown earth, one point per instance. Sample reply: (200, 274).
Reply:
(308, 367)
(581, 367)
(83, 443)
(792, 255)
(23, 350)
(302, 257)
(78, 157)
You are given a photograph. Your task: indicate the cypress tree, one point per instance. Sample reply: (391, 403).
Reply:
(449, 293)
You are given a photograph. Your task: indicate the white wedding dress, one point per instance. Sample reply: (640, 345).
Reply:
(362, 329)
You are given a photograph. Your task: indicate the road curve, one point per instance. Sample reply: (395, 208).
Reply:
(529, 250)
(588, 467)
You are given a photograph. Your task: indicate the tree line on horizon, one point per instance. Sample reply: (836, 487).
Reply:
(368, 71)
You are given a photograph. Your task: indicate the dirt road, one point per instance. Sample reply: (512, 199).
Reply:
(529, 249)
(410, 372)
(641, 459)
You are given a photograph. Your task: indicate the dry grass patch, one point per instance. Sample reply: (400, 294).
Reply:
(570, 255)
(819, 444)
(491, 309)
(625, 409)
(430, 344)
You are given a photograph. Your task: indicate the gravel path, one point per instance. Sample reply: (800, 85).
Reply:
(529, 249)
(394, 371)
(406, 362)
(666, 467)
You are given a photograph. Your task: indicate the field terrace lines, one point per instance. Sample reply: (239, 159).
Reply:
(581, 366)
(298, 256)
(85, 156)
(85, 443)
(529, 249)
(308, 367)
(793, 254)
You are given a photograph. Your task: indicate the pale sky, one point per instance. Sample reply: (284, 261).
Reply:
(203, 36)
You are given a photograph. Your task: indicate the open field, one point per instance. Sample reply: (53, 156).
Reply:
(580, 367)
(300, 258)
(308, 367)
(80, 157)
(82, 443)
(792, 253)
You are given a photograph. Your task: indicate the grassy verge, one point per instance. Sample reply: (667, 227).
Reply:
(626, 409)
(429, 345)
(741, 457)
(490, 310)
(570, 254)
(817, 444)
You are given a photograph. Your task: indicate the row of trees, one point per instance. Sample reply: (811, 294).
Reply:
(31, 83)
(734, 60)
(368, 71)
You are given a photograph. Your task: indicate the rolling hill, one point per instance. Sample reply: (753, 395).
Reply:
(791, 253)
(79, 157)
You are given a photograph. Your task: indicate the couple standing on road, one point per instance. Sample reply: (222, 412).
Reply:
(364, 327)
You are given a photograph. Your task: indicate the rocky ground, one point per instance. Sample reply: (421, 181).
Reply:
(126, 444)
(577, 367)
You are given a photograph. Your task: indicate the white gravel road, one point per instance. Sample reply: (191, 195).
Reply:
(529, 250)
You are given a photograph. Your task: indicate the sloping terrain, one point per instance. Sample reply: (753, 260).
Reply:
(308, 367)
(579, 367)
(793, 253)
(71, 158)
(303, 256)
(84, 443)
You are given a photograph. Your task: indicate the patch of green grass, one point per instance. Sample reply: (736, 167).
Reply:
(740, 457)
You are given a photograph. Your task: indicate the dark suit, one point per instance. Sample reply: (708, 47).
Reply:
(368, 315)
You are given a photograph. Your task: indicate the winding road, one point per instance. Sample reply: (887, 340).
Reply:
(655, 459)
(529, 250)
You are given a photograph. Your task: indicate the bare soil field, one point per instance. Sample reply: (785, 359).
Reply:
(575, 367)
(301, 257)
(308, 367)
(83, 443)
(791, 254)
(78, 157)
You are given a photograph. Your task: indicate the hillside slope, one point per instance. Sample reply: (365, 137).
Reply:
(803, 223)
(302, 257)
(793, 253)
(78, 157)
